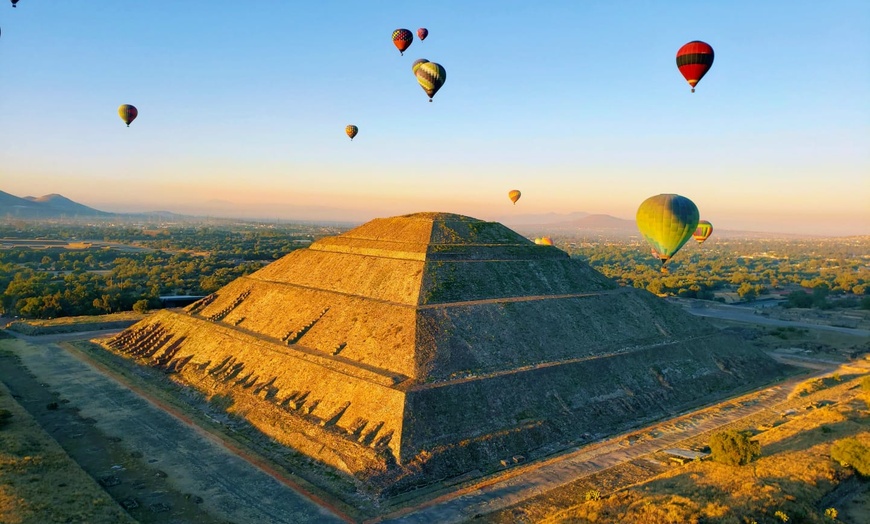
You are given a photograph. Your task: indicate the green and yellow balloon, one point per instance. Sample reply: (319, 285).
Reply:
(667, 222)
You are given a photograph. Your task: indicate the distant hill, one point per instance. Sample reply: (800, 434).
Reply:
(599, 224)
(48, 206)
(541, 218)
(56, 206)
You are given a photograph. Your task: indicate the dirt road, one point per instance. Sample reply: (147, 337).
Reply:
(742, 314)
(187, 460)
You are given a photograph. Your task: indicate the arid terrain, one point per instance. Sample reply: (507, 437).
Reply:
(161, 457)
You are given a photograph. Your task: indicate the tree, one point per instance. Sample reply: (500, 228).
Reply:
(746, 291)
(799, 299)
(852, 452)
(734, 447)
(140, 306)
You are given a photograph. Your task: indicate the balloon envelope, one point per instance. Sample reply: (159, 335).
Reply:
(546, 241)
(417, 63)
(351, 131)
(694, 60)
(431, 77)
(422, 33)
(514, 195)
(128, 113)
(402, 39)
(667, 222)
(703, 231)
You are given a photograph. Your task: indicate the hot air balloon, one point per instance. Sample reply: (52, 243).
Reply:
(703, 231)
(514, 195)
(351, 130)
(694, 60)
(431, 77)
(417, 63)
(422, 33)
(128, 113)
(667, 222)
(546, 241)
(14, 2)
(402, 39)
(538, 240)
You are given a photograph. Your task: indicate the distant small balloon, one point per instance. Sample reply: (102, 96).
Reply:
(14, 2)
(351, 131)
(422, 33)
(402, 39)
(128, 113)
(514, 195)
(546, 241)
(703, 231)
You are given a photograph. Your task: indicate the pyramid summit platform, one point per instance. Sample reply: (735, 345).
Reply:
(433, 344)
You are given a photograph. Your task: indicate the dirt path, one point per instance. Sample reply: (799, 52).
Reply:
(742, 314)
(539, 478)
(171, 471)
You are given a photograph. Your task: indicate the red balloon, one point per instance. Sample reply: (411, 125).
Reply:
(422, 33)
(402, 39)
(694, 60)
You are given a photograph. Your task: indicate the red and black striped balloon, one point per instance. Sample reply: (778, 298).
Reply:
(694, 60)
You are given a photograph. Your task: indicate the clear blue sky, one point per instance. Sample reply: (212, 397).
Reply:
(579, 104)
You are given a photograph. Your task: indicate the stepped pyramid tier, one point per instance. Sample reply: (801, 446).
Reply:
(438, 343)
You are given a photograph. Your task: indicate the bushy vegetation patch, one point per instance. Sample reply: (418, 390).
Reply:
(735, 448)
(851, 452)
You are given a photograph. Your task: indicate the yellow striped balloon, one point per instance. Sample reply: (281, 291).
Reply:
(703, 232)
(417, 63)
(431, 77)
(514, 195)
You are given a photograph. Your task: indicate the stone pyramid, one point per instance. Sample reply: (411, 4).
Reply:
(440, 343)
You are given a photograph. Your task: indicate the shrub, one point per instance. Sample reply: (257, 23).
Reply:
(865, 384)
(781, 516)
(852, 452)
(141, 306)
(593, 494)
(831, 513)
(5, 415)
(734, 448)
(800, 299)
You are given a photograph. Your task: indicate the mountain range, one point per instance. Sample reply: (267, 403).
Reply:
(54, 206)
(48, 206)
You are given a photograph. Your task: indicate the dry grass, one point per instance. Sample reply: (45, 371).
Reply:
(813, 385)
(73, 324)
(39, 483)
(794, 475)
